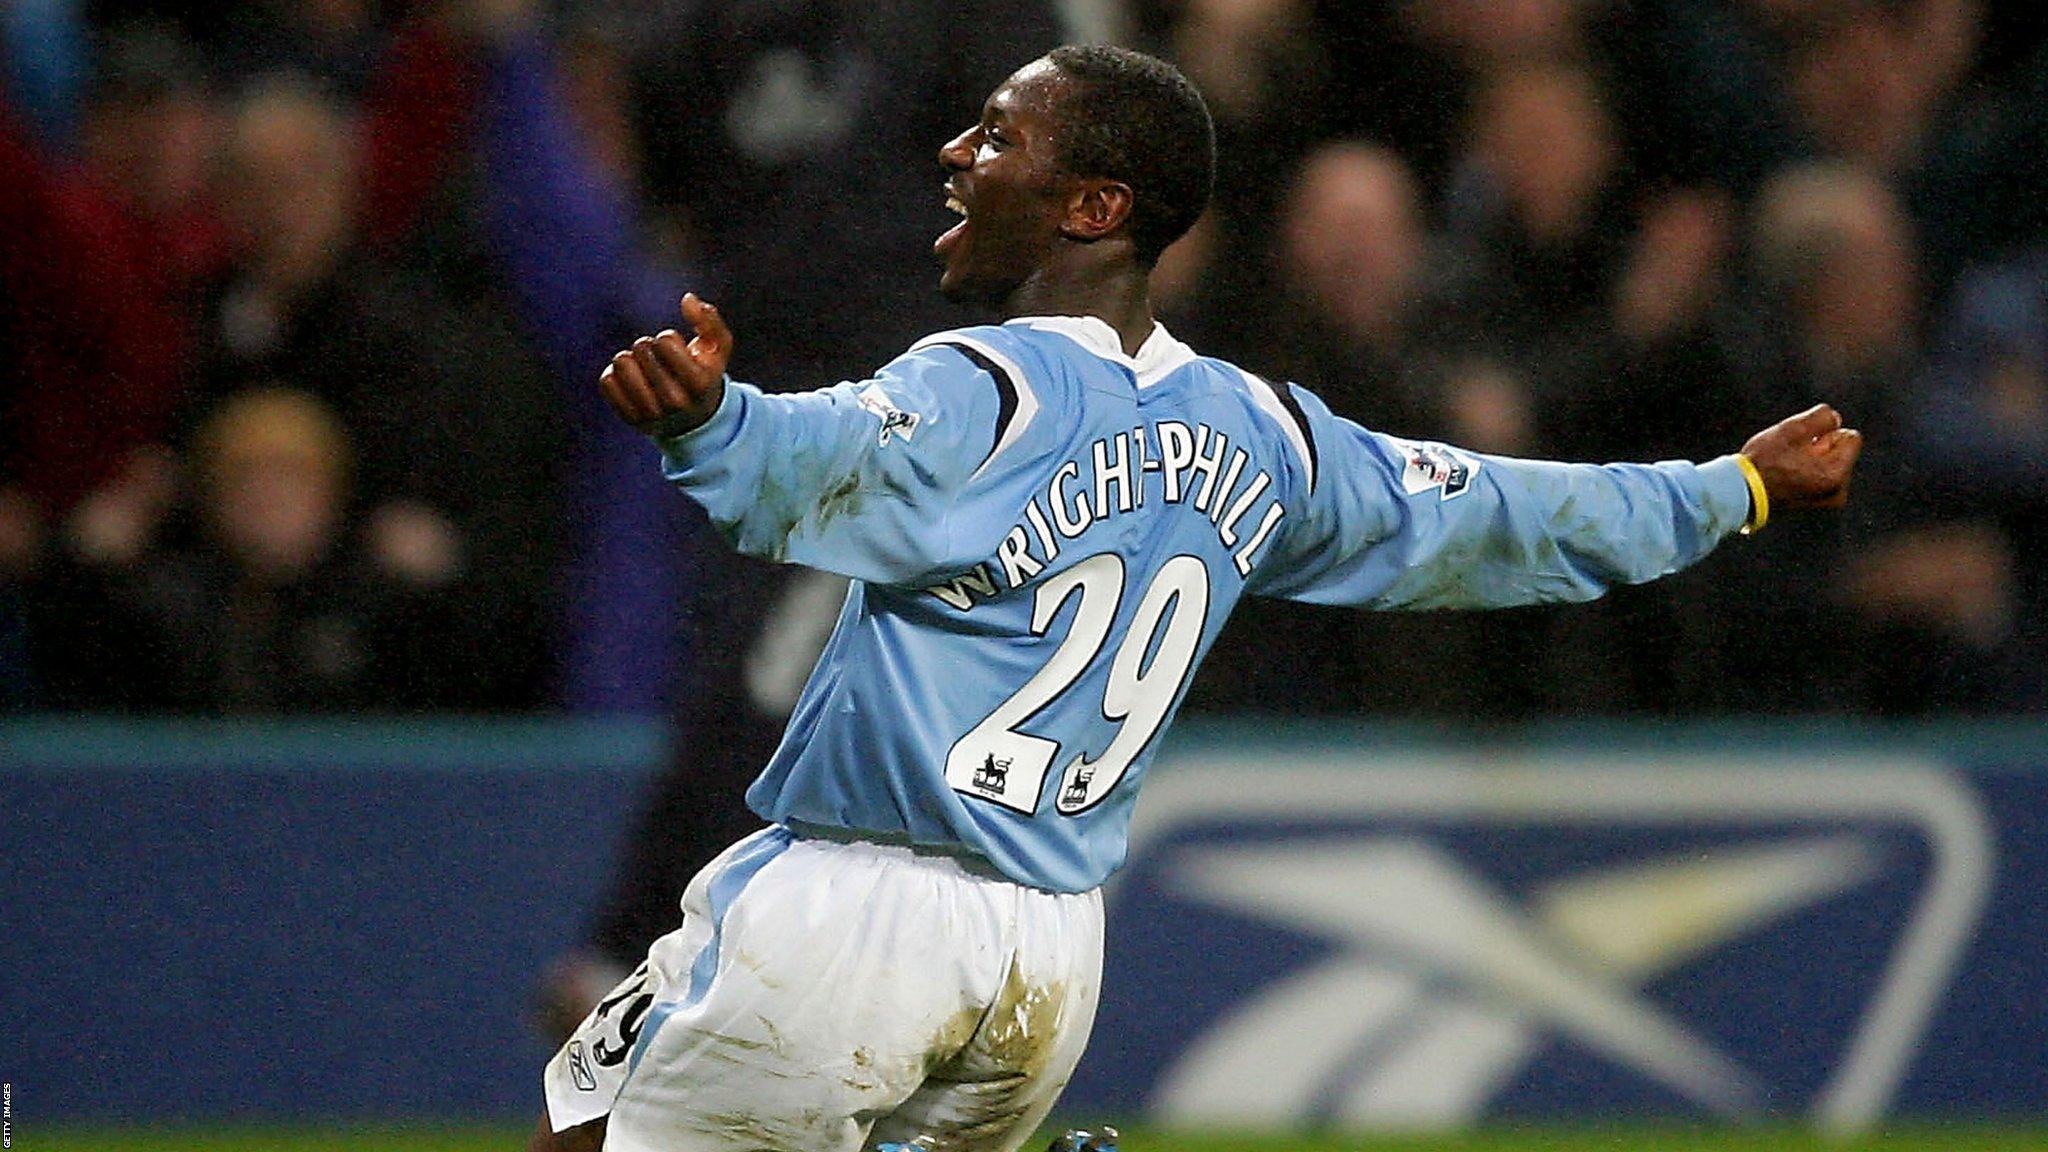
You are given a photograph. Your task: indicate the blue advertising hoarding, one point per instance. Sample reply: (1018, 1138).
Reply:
(1334, 933)
(296, 922)
(1839, 927)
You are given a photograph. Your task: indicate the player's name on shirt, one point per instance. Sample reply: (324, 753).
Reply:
(1195, 467)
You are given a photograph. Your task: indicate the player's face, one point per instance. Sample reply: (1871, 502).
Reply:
(1006, 181)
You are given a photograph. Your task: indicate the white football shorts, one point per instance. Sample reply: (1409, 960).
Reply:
(826, 996)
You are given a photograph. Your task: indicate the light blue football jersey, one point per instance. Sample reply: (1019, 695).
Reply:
(1045, 536)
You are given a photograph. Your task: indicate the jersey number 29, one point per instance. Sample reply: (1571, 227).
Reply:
(997, 762)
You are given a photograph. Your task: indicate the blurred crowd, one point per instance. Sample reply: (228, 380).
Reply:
(301, 302)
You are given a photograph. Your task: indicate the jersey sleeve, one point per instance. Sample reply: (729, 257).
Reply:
(860, 478)
(1392, 523)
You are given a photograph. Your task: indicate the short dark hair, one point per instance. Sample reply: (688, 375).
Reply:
(1136, 119)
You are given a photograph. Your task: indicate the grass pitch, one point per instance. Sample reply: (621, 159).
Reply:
(1971, 1138)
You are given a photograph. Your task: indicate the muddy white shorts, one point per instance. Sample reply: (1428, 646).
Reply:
(825, 996)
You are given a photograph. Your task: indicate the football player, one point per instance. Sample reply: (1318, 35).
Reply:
(1045, 522)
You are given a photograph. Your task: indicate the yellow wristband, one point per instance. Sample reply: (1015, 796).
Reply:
(1759, 499)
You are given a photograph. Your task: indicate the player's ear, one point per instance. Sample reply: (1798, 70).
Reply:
(1097, 208)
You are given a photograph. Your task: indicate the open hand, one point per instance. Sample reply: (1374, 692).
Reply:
(667, 384)
(1805, 460)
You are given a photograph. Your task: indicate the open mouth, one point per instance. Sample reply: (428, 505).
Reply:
(952, 235)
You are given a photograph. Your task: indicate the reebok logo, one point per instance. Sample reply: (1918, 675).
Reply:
(1435, 943)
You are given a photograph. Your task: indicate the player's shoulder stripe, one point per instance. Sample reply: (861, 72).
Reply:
(1277, 401)
(1016, 402)
(1007, 388)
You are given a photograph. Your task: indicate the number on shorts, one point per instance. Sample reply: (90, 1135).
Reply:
(611, 1049)
(997, 762)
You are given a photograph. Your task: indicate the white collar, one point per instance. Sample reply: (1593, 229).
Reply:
(1157, 356)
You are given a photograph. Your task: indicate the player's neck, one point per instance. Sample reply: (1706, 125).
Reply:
(1118, 296)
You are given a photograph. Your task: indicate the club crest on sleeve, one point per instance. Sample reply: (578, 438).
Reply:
(1429, 466)
(895, 421)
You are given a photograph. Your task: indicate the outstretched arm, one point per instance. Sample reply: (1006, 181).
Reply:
(858, 478)
(1430, 526)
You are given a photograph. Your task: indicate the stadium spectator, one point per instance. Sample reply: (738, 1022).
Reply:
(1656, 379)
(1354, 256)
(1868, 82)
(752, 109)
(276, 602)
(1979, 428)
(1830, 308)
(1537, 218)
(1266, 69)
(504, 163)
(1982, 402)
(103, 255)
(152, 134)
(1267, 75)
(451, 414)
(1714, 78)
(1948, 592)
(415, 113)
(559, 207)
(101, 268)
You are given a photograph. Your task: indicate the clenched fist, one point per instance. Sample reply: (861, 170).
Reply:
(1805, 461)
(668, 385)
